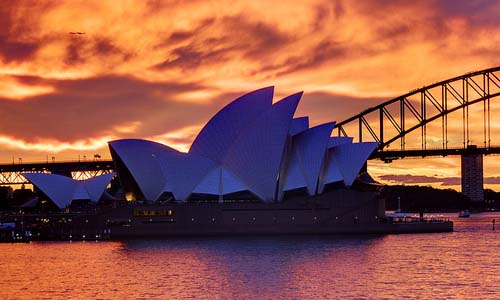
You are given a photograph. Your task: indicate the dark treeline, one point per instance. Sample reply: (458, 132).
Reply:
(10, 199)
(426, 198)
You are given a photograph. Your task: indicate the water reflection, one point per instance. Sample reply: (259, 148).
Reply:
(249, 266)
(462, 265)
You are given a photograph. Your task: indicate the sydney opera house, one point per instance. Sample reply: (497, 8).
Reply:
(252, 168)
(251, 149)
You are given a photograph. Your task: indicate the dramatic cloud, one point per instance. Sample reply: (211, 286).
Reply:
(74, 73)
(423, 179)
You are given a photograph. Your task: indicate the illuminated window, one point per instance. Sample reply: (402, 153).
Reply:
(153, 213)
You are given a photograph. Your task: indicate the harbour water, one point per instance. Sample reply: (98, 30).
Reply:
(464, 264)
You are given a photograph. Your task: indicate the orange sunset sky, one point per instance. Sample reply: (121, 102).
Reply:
(160, 69)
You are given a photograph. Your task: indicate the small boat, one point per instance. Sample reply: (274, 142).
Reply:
(464, 214)
(397, 214)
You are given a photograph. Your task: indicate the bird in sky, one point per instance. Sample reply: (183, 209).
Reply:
(76, 32)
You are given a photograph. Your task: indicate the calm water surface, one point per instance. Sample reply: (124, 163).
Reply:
(464, 264)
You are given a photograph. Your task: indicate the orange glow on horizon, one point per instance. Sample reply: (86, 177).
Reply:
(55, 146)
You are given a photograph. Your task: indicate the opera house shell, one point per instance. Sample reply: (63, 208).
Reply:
(252, 149)
(62, 190)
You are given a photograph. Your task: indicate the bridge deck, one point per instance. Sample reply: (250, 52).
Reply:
(389, 155)
(58, 166)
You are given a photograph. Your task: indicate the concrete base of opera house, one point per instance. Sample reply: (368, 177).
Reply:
(342, 211)
(336, 212)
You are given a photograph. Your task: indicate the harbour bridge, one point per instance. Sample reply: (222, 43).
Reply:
(436, 120)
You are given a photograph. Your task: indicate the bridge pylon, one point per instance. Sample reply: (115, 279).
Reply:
(472, 175)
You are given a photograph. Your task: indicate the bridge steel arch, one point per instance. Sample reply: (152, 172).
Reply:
(425, 105)
(428, 104)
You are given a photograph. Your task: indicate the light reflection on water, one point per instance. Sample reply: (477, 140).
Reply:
(464, 264)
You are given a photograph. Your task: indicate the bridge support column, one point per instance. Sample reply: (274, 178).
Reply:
(472, 177)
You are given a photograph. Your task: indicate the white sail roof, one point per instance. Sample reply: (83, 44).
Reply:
(350, 159)
(62, 190)
(96, 186)
(231, 183)
(215, 139)
(255, 157)
(142, 157)
(298, 125)
(184, 172)
(80, 193)
(306, 161)
(330, 172)
(211, 183)
(219, 181)
(294, 178)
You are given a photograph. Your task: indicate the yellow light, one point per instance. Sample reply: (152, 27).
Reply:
(129, 196)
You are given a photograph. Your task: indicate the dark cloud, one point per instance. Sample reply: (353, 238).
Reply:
(73, 54)
(82, 47)
(19, 20)
(104, 46)
(16, 51)
(10, 48)
(191, 57)
(251, 39)
(5, 18)
(394, 33)
(20, 38)
(477, 12)
(423, 179)
(179, 36)
(325, 51)
(492, 180)
(88, 108)
(326, 13)
(258, 38)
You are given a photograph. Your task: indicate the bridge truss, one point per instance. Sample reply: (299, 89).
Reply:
(78, 170)
(394, 120)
